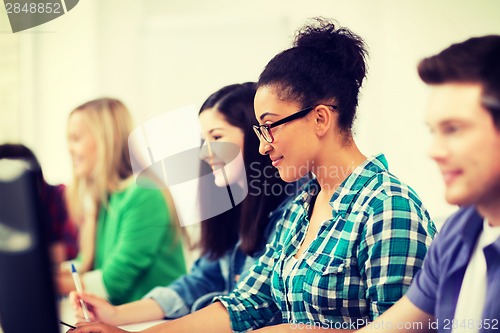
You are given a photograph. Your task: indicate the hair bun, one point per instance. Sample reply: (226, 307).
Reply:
(323, 35)
(318, 32)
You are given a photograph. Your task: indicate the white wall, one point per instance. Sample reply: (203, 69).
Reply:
(157, 55)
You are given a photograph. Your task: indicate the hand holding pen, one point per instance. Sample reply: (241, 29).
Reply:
(79, 288)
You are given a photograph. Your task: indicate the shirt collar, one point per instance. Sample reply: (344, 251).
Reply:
(309, 191)
(348, 189)
(472, 227)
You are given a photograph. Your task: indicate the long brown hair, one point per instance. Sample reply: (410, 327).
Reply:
(247, 221)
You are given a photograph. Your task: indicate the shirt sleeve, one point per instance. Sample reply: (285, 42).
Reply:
(177, 299)
(250, 305)
(422, 292)
(143, 227)
(392, 249)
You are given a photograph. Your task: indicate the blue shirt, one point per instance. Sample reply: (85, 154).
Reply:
(436, 287)
(361, 262)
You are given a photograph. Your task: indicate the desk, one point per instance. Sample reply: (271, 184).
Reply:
(67, 314)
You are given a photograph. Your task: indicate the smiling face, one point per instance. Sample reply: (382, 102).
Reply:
(466, 144)
(223, 143)
(82, 146)
(295, 143)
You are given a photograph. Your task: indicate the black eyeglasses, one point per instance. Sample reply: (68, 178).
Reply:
(264, 131)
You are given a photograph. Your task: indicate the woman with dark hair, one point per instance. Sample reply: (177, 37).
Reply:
(234, 104)
(350, 243)
(232, 241)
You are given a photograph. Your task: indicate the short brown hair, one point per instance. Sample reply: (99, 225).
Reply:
(476, 60)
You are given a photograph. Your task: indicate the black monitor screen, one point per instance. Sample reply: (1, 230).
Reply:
(27, 297)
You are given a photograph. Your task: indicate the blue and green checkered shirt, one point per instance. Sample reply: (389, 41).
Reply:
(361, 262)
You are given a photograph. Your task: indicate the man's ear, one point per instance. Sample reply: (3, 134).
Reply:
(324, 119)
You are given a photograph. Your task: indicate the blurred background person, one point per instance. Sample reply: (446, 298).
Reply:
(129, 236)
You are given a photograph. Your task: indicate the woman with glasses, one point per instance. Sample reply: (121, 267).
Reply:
(350, 243)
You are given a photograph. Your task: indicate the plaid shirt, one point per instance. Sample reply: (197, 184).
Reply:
(361, 262)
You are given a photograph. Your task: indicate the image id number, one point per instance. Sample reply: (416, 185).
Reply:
(487, 324)
(33, 8)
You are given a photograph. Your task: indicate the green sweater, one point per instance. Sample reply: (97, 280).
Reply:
(137, 247)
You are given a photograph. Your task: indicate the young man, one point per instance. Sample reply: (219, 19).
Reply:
(458, 288)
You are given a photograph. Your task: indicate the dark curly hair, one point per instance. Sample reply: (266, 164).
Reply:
(325, 65)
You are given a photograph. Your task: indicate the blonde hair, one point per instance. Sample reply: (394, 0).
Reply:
(110, 124)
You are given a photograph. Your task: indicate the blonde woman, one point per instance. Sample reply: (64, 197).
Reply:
(128, 237)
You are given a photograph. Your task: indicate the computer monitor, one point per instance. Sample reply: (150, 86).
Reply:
(27, 293)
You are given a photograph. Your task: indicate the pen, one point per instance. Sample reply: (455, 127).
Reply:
(66, 324)
(78, 285)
